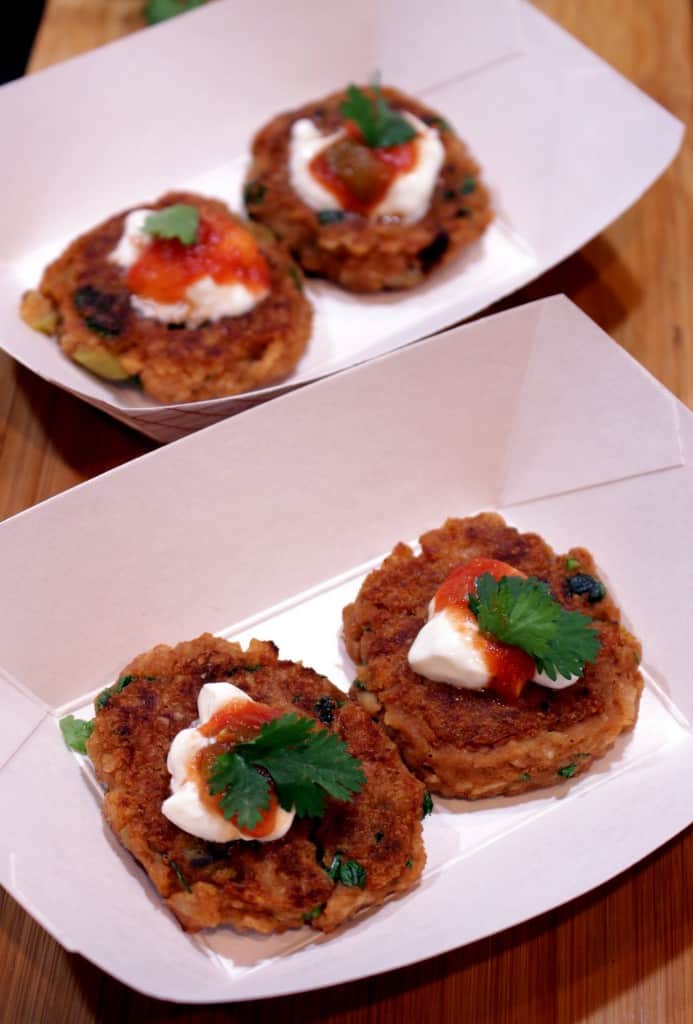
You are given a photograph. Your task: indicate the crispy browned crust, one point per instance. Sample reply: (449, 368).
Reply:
(178, 364)
(473, 743)
(363, 255)
(261, 886)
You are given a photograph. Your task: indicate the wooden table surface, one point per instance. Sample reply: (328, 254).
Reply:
(623, 953)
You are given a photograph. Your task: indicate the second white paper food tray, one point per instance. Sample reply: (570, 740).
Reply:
(263, 525)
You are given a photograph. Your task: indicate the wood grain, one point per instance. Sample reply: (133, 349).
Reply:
(620, 955)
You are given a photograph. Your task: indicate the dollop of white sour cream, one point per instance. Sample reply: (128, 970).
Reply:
(184, 807)
(204, 299)
(409, 194)
(448, 649)
(451, 648)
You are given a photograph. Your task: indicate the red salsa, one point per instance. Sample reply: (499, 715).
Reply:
(359, 176)
(236, 722)
(510, 667)
(224, 251)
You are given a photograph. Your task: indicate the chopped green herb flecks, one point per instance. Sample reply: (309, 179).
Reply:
(105, 695)
(409, 864)
(427, 805)
(179, 875)
(314, 912)
(568, 770)
(380, 125)
(330, 216)
(571, 564)
(296, 277)
(76, 732)
(468, 185)
(524, 777)
(253, 193)
(333, 870)
(358, 685)
(243, 668)
(351, 873)
(177, 221)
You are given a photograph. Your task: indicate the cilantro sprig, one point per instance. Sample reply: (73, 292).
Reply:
(305, 763)
(523, 613)
(380, 125)
(176, 221)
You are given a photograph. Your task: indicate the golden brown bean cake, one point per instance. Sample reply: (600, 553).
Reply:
(476, 743)
(87, 299)
(270, 886)
(347, 240)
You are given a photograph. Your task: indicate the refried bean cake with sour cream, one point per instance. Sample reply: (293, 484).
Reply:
(368, 187)
(180, 718)
(192, 300)
(496, 665)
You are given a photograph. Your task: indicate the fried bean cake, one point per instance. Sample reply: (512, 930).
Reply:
(266, 887)
(363, 253)
(85, 299)
(473, 743)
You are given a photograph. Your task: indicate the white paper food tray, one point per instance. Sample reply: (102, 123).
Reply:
(262, 526)
(564, 141)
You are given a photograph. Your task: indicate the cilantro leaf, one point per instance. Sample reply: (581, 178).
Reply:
(245, 791)
(76, 732)
(287, 731)
(306, 764)
(574, 644)
(517, 611)
(523, 613)
(379, 124)
(177, 221)
(303, 777)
